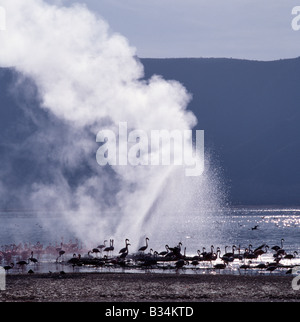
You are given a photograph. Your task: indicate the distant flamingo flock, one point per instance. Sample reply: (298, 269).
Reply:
(18, 257)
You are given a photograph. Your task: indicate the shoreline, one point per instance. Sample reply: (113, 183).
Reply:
(148, 287)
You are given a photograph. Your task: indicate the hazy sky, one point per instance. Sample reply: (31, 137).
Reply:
(252, 29)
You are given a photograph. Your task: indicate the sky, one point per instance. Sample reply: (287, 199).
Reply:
(247, 29)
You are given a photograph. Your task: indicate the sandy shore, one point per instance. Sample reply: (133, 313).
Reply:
(147, 287)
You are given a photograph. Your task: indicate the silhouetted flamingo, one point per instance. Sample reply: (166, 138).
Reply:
(32, 259)
(124, 250)
(276, 248)
(8, 267)
(143, 248)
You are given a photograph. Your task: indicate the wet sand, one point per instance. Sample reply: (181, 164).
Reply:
(147, 287)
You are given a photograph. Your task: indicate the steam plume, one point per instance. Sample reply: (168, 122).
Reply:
(88, 78)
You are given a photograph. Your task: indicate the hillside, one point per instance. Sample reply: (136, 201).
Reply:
(250, 112)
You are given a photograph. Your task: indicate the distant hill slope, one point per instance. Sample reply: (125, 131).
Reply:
(250, 112)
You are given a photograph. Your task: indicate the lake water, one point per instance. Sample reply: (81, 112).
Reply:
(197, 230)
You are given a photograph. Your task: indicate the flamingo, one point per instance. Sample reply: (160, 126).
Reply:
(125, 249)
(170, 252)
(150, 252)
(7, 268)
(95, 250)
(204, 252)
(180, 263)
(229, 257)
(276, 248)
(238, 256)
(260, 247)
(149, 262)
(245, 266)
(195, 262)
(101, 247)
(280, 252)
(261, 266)
(197, 257)
(248, 254)
(111, 247)
(220, 266)
(229, 254)
(60, 254)
(176, 250)
(75, 261)
(32, 259)
(210, 256)
(165, 252)
(124, 254)
(143, 248)
(259, 252)
(291, 256)
(60, 248)
(22, 263)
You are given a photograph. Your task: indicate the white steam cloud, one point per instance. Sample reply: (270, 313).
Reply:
(89, 78)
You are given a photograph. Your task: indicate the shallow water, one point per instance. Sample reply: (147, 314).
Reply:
(195, 231)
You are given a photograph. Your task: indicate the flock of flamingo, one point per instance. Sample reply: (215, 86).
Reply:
(21, 256)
